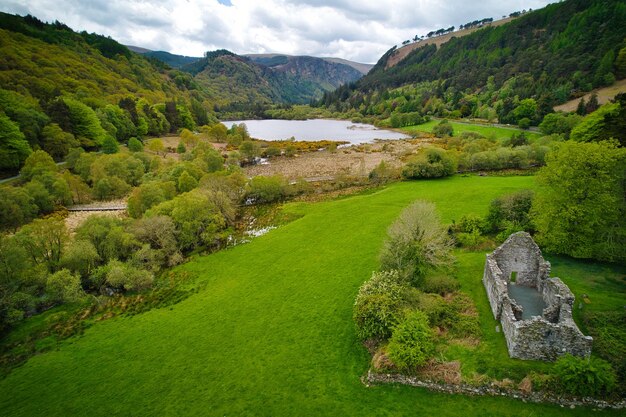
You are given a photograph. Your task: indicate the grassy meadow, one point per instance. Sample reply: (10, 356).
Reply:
(496, 132)
(271, 333)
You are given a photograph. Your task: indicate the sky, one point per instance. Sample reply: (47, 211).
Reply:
(358, 30)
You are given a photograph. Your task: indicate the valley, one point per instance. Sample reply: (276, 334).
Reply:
(239, 232)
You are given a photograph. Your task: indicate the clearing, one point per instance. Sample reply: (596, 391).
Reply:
(604, 95)
(271, 332)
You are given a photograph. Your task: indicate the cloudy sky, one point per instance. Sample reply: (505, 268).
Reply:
(360, 30)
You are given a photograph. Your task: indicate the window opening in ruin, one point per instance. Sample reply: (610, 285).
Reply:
(513, 276)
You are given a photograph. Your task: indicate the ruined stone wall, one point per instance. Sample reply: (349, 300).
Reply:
(517, 255)
(541, 338)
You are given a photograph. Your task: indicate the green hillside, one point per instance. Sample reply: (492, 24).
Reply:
(515, 71)
(271, 332)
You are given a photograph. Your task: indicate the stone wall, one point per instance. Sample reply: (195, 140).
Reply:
(541, 338)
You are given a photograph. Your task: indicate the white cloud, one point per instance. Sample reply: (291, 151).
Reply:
(360, 30)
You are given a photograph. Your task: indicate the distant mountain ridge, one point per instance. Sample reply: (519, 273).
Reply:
(264, 78)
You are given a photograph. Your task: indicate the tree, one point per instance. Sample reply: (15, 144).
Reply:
(416, 243)
(609, 121)
(38, 163)
(580, 208)
(377, 305)
(57, 142)
(143, 197)
(14, 149)
(156, 146)
(559, 123)
(110, 145)
(620, 64)
(80, 257)
(127, 277)
(85, 123)
(135, 145)
(412, 342)
(63, 286)
(17, 207)
(44, 240)
(108, 236)
(262, 189)
(186, 182)
(249, 150)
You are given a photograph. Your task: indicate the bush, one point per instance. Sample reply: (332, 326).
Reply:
(417, 243)
(510, 211)
(127, 277)
(266, 189)
(383, 173)
(584, 376)
(444, 128)
(440, 284)
(433, 163)
(411, 343)
(63, 286)
(135, 145)
(376, 308)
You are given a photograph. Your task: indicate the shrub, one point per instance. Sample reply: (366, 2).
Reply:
(510, 209)
(383, 173)
(444, 128)
(440, 284)
(63, 286)
(584, 376)
(376, 308)
(135, 145)
(263, 189)
(417, 243)
(433, 163)
(411, 343)
(127, 277)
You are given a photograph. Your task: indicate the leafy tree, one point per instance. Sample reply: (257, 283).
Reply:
(17, 207)
(510, 210)
(620, 63)
(85, 123)
(109, 188)
(412, 342)
(110, 145)
(143, 197)
(80, 257)
(198, 221)
(25, 112)
(156, 146)
(44, 240)
(580, 209)
(609, 121)
(559, 123)
(37, 164)
(416, 243)
(186, 182)
(135, 145)
(14, 149)
(159, 233)
(124, 276)
(63, 286)
(249, 150)
(108, 236)
(57, 142)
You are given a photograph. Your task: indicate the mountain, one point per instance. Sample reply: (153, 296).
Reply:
(278, 60)
(514, 72)
(234, 80)
(173, 60)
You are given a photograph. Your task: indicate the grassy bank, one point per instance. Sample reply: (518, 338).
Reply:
(497, 132)
(271, 332)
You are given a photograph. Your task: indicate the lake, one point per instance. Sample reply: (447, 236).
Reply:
(317, 129)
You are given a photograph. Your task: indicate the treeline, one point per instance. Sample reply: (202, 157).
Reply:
(547, 56)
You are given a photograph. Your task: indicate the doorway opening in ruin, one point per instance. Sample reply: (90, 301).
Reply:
(513, 276)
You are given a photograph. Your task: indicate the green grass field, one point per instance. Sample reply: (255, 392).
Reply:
(497, 132)
(271, 333)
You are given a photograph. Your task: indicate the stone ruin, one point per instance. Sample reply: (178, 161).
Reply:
(535, 310)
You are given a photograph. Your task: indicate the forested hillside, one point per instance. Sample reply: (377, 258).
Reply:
(60, 89)
(514, 72)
